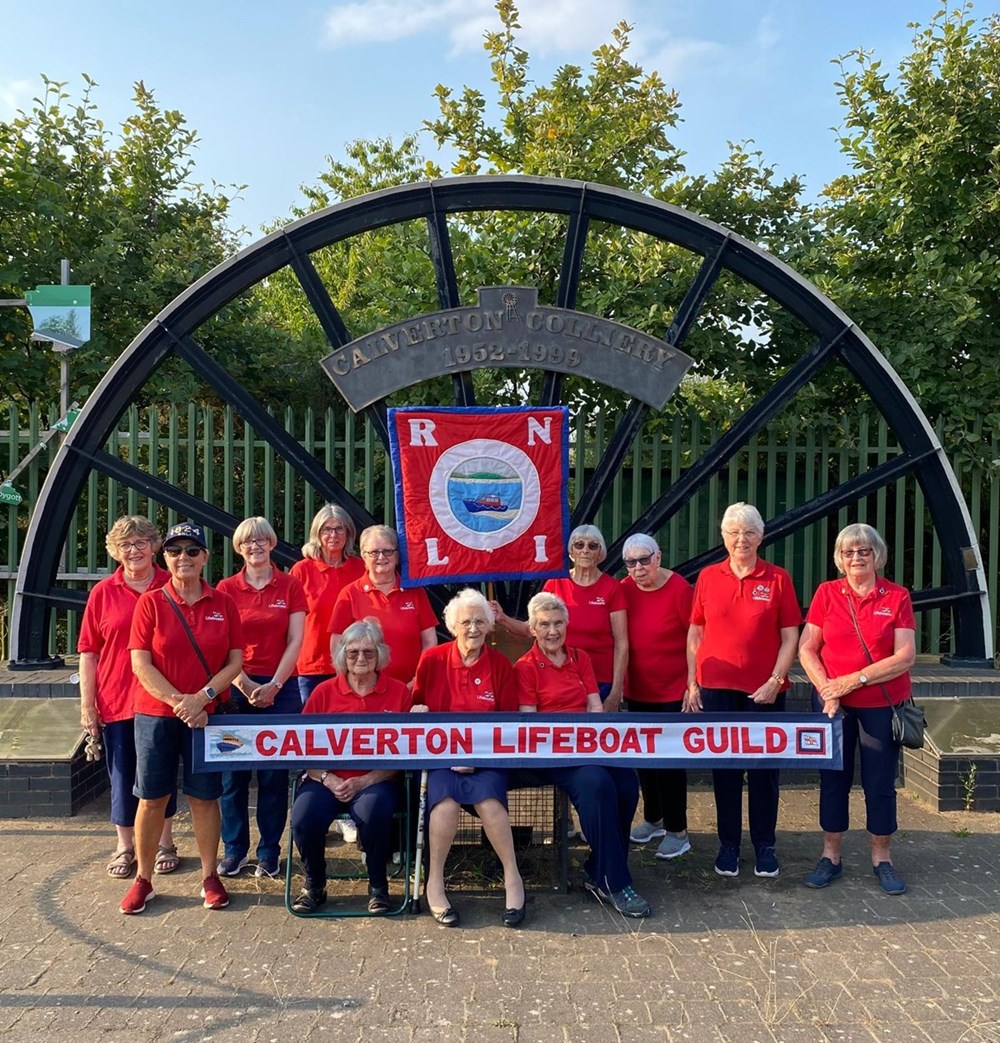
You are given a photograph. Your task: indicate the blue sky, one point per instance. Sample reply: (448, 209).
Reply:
(274, 88)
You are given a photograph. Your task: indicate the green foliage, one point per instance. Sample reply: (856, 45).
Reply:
(910, 249)
(126, 214)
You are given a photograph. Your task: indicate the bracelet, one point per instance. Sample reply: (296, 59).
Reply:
(775, 677)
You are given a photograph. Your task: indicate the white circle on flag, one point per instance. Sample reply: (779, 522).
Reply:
(484, 482)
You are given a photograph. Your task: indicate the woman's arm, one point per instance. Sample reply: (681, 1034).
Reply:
(692, 697)
(594, 704)
(265, 694)
(882, 670)
(768, 691)
(619, 629)
(90, 719)
(517, 627)
(188, 706)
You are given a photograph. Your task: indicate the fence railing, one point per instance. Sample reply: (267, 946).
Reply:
(213, 454)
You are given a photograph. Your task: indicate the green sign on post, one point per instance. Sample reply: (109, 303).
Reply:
(9, 495)
(61, 314)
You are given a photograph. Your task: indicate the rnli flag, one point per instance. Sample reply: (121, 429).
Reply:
(481, 493)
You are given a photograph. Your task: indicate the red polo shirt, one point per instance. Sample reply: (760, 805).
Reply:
(881, 612)
(657, 640)
(402, 614)
(264, 614)
(555, 689)
(742, 620)
(215, 623)
(107, 621)
(337, 696)
(322, 583)
(589, 625)
(446, 685)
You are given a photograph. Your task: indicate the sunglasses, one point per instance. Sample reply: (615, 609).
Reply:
(633, 563)
(588, 545)
(191, 552)
(857, 552)
(359, 653)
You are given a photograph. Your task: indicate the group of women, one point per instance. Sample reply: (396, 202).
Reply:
(339, 634)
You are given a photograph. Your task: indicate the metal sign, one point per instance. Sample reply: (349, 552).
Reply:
(507, 329)
(61, 314)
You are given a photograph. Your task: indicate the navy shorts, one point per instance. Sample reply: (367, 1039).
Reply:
(161, 744)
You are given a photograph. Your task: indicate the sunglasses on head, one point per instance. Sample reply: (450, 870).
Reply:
(173, 552)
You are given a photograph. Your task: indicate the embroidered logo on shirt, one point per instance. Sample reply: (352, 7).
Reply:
(599, 600)
(883, 611)
(761, 592)
(486, 697)
(278, 603)
(215, 617)
(408, 606)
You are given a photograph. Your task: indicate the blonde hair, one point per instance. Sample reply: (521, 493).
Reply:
(128, 526)
(254, 529)
(312, 548)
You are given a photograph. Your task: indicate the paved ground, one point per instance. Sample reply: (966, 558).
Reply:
(737, 961)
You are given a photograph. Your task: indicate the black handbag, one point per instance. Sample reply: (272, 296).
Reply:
(908, 721)
(221, 705)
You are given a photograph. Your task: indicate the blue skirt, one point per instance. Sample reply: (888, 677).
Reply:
(465, 788)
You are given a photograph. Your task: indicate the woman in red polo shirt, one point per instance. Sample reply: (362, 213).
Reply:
(272, 607)
(406, 617)
(328, 565)
(741, 644)
(371, 798)
(857, 649)
(658, 608)
(557, 679)
(106, 682)
(465, 676)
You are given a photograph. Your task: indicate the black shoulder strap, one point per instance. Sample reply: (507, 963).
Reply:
(187, 630)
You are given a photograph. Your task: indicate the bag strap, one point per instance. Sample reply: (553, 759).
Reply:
(864, 645)
(187, 630)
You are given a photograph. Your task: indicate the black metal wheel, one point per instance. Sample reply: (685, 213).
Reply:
(576, 209)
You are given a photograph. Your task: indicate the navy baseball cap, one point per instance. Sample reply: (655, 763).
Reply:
(188, 531)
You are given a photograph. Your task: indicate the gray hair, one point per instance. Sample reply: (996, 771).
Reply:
(131, 526)
(254, 529)
(375, 532)
(362, 630)
(743, 514)
(312, 548)
(590, 532)
(641, 541)
(543, 601)
(864, 535)
(471, 597)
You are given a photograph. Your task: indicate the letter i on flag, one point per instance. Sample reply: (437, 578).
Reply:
(472, 508)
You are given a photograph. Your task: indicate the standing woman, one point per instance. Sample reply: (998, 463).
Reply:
(405, 616)
(272, 607)
(176, 693)
(557, 679)
(857, 649)
(596, 607)
(327, 567)
(106, 682)
(741, 644)
(658, 607)
(464, 676)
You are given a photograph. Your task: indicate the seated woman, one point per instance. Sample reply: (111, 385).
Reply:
(557, 679)
(464, 676)
(369, 797)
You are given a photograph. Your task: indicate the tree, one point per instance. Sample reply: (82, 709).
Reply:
(911, 249)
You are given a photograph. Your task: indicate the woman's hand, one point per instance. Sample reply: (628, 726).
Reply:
(263, 695)
(420, 708)
(613, 703)
(831, 707)
(190, 707)
(345, 790)
(463, 769)
(837, 687)
(767, 693)
(691, 702)
(90, 720)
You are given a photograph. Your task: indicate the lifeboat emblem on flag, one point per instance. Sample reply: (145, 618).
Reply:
(471, 508)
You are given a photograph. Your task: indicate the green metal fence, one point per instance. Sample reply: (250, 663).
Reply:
(211, 453)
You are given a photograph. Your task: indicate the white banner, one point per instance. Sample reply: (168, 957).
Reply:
(760, 740)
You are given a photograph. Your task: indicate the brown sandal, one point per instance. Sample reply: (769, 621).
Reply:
(121, 863)
(167, 859)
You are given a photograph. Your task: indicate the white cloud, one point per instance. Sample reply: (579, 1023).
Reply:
(547, 26)
(14, 95)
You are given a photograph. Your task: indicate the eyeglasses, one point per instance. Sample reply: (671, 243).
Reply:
(587, 545)
(134, 545)
(261, 542)
(857, 552)
(332, 530)
(733, 534)
(360, 653)
(473, 624)
(380, 552)
(191, 552)
(632, 563)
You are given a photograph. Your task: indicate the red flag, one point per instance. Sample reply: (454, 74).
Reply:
(481, 493)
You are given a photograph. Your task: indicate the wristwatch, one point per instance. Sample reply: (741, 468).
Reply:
(862, 678)
(322, 777)
(210, 692)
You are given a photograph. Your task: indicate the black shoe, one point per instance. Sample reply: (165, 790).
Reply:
(378, 901)
(309, 900)
(446, 917)
(513, 917)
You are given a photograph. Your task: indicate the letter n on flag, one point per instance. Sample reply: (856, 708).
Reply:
(481, 493)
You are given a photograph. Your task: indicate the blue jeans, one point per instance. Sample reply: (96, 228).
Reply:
(871, 729)
(762, 783)
(272, 788)
(119, 754)
(309, 682)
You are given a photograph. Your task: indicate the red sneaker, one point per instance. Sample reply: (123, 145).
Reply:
(214, 893)
(138, 895)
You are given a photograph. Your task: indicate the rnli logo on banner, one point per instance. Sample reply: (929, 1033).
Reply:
(470, 507)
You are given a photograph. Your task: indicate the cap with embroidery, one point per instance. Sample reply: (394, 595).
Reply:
(186, 531)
